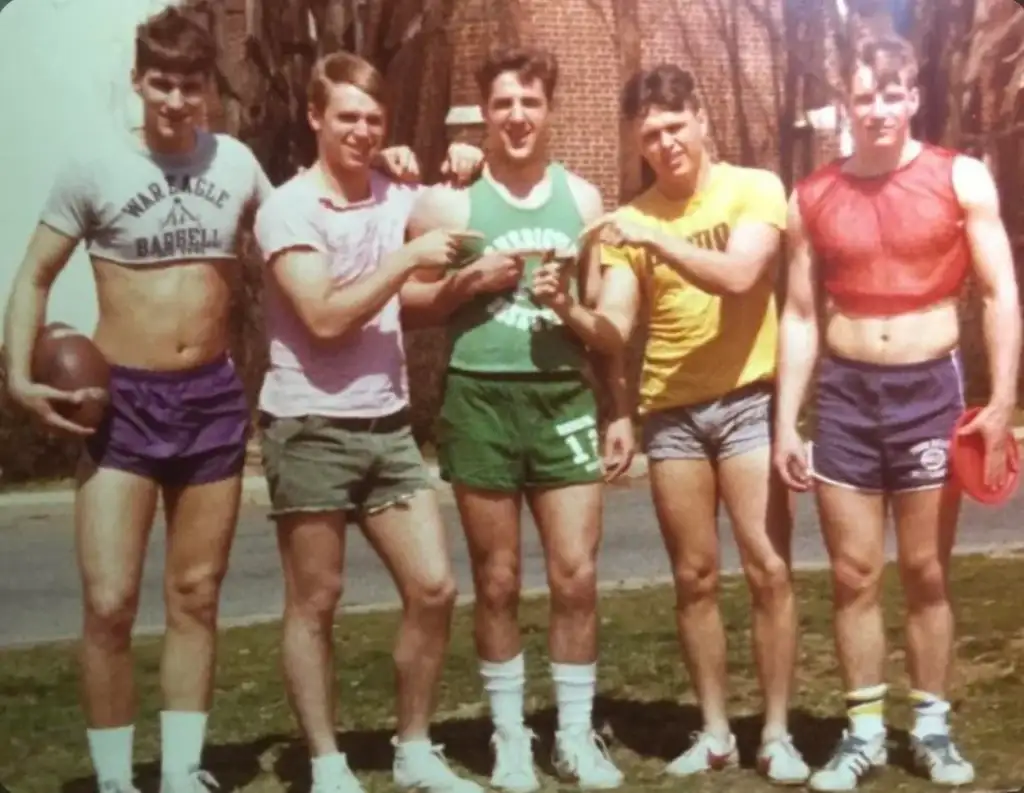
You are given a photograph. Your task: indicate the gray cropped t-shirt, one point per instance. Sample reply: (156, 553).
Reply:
(136, 207)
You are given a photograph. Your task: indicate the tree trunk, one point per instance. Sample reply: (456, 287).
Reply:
(628, 41)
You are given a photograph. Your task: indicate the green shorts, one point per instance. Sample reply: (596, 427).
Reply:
(508, 432)
(356, 466)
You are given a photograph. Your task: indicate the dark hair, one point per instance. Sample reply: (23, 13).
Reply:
(667, 86)
(340, 68)
(174, 40)
(529, 63)
(890, 58)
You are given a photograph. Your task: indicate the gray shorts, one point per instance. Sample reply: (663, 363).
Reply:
(739, 422)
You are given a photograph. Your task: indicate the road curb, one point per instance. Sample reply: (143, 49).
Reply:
(254, 490)
(729, 573)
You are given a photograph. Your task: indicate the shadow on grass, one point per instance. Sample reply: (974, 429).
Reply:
(657, 731)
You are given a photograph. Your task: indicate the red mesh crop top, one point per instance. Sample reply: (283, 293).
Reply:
(889, 244)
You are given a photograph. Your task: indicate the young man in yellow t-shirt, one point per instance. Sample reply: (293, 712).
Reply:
(698, 251)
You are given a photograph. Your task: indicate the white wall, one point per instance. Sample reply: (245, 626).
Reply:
(70, 61)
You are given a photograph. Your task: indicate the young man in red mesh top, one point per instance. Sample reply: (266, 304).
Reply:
(890, 233)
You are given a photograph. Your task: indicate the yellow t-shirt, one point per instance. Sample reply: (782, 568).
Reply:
(702, 346)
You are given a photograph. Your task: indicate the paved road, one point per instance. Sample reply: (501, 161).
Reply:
(39, 594)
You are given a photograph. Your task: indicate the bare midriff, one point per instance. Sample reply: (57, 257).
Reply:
(166, 318)
(911, 337)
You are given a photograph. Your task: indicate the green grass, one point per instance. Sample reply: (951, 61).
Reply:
(645, 705)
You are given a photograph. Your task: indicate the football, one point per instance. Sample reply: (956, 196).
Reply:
(66, 359)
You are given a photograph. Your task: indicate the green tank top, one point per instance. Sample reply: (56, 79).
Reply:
(509, 332)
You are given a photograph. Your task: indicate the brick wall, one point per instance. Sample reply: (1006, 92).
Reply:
(737, 55)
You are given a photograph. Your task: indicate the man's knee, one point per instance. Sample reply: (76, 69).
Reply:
(855, 579)
(434, 594)
(696, 580)
(316, 595)
(770, 579)
(110, 609)
(924, 581)
(498, 585)
(194, 592)
(573, 583)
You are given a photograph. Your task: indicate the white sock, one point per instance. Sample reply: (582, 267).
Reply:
(930, 713)
(329, 768)
(575, 686)
(181, 741)
(505, 684)
(111, 752)
(865, 708)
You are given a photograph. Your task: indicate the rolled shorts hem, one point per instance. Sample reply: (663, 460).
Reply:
(734, 450)
(400, 498)
(505, 486)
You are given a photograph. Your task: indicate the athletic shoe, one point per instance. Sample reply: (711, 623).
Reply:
(113, 786)
(429, 772)
(706, 753)
(854, 758)
(937, 756)
(514, 771)
(780, 762)
(581, 755)
(192, 782)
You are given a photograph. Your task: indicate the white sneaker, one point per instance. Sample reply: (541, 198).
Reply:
(707, 753)
(780, 762)
(117, 786)
(514, 771)
(853, 759)
(937, 756)
(344, 782)
(196, 781)
(429, 772)
(582, 756)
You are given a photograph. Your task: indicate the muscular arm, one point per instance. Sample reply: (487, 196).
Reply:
(328, 309)
(431, 297)
(592, 327)
(752, 246)
(749, 252)
(47, 255)
(993, 264)
(798, 325)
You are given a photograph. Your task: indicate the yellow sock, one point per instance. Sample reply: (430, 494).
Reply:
(930, 712)
(865, 709)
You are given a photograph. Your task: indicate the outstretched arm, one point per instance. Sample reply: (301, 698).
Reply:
(432, 296)
(550, 283)
(734, 267)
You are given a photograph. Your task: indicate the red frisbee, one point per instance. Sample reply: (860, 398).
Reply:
(967, 454)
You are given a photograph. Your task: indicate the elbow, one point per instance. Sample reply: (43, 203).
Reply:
(326, 328)
(743, 278)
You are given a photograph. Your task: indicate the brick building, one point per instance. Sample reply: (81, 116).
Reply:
(736, 51)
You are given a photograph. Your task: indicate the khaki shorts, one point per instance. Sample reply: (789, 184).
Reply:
(356, 466)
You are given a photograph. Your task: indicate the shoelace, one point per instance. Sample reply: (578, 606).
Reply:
(851, 752)
(940, 750)
(593, 745)
(200, 781)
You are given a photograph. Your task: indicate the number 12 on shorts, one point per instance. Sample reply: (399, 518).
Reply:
(580, 435)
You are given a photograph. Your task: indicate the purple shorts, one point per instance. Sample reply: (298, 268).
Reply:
(884, 428)
(176, 428)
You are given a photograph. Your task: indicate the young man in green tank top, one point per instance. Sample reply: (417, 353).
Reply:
(519, 417)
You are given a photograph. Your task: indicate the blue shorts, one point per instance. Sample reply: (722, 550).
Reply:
(886, 428)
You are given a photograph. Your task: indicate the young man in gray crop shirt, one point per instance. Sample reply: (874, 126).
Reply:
(160, 212)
